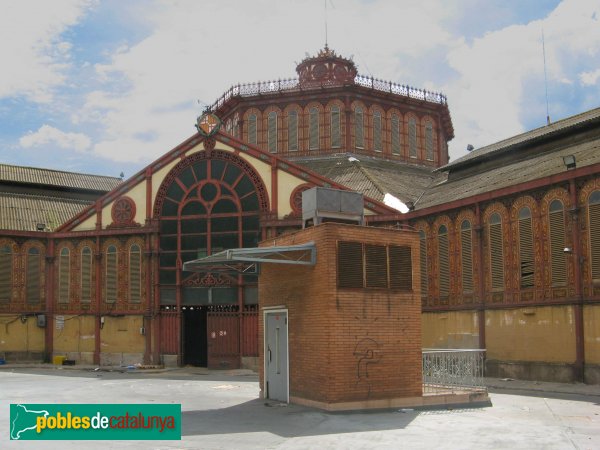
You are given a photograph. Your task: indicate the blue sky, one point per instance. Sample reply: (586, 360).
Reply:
(108, 86)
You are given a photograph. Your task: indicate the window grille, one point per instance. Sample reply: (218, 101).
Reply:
(293, 130)
(313, 129)
(5, 274)
(412, 137)
(33, 282)
(86, 275)
(526, 248)
(556, 224)
(359, 132)
(111, 274)
(64, 275)
(466, 243)
(395, 134)
(336, 135)
(252, 129)
(135, 274)
(377, 140)
(272, 132)
(496, 253)
(429, 141)
(444, 261)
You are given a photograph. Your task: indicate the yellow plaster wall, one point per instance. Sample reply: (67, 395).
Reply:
(77, 335)
(87, 224)
(122, 334)
(591, 333)
(531, 334)
(286, 184)
(138, 195)
(16, 336)
(453, 329)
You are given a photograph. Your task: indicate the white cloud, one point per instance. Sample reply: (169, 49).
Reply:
(49, 136)
(33, 54)
(589, 78)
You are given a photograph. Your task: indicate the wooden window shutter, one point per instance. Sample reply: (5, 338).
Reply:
(5, 274)
(444, 261)
(111, 274)
(377, 142)
(395, 135)
(423, 263)
(252, 129)
(376, 269)
(526, 249)
(594, 217)
(429, 141)
(86, 275)
(135, 274)
(33, 277)
(272, 132)
(350, 264)
(556, 224)
(400, 267)
(293, 131)
(336, 135)
(496, 253)
(64, 275)
(412, 137)
(359, 132)
(313, 129)
(466, 247)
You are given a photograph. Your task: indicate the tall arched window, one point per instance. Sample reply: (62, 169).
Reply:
(135, 274)
(556, 225)
(395, 134)
(6, 263)
(377, 139)
(252, 132)
(86, 275)
(313, 128)
(293, 131)
(272, 132)
(359, 131)
(594, 218)
(466, 253)
(336, 133)
(526, 261)
(112, 260)
(64, 275)
(444, 261)
(412, 137)
(33, 281)
(423, 263)
(429, 141)
(496, 253)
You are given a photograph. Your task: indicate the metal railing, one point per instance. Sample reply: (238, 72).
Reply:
(293, 84)
(453, 370)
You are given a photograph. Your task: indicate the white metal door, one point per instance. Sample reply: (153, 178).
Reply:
(276, 356)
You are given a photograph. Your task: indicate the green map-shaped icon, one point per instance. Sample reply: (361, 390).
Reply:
(23, 419)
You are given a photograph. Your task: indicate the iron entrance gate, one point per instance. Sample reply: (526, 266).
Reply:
(231, 335)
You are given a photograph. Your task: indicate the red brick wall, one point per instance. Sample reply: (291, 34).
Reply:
(346, 344)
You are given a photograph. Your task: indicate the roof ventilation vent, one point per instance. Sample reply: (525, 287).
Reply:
(331, 205)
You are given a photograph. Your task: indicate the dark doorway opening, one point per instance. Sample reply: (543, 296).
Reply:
(194, 337)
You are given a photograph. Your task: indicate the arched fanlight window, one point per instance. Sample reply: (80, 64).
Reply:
(423, 263)
(86, 275)
(33, 275)
(377, 132)
(359, 132)
(412, 137)
(594, 227)
(313, 128)
(336, 133)
(135, 274)
(252, 132)
(110, 287)
(466, 253)
(6, 266)
(556, 228)
(496, 251)
(395, 134)
(444, 261)
(272, 132)
(526, 260)
(429, 141)
(293, 130)
(64, 275)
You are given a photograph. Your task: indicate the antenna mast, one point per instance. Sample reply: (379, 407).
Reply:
(545, 77)
(325, 23)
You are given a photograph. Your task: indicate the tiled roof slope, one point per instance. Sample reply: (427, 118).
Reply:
(57, 178)
(542, 165)
(23, 212)
(525, 138)
(372, 177)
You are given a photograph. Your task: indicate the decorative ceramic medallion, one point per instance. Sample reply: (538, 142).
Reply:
(208, 124)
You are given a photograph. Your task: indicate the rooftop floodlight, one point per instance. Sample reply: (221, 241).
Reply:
(569, 161)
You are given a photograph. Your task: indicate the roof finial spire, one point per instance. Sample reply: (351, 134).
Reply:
(326, 48)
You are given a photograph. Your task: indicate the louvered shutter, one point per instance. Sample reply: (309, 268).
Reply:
(252, 129)
(412, 138)
(359, 136)
(466, 256)
(423, 263)
(313, 130)
(594, 214)
(376, 270)
(63, 275)
(395, 135)
(5, 274)
(526, 252)
(400, 267)
(429, 141)
(496, 255)
(293, 130)
(444, 264)
(111, 274)
(377, 141)
(350, 265)
(135, 274)
(272, 132)
(33, 277)
(336, 138)
(86, 275)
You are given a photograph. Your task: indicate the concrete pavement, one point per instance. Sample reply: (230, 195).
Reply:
(221, 410)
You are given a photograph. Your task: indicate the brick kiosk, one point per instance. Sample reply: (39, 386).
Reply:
(353, 319)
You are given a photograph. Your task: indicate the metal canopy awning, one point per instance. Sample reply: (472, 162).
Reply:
(247, 260)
